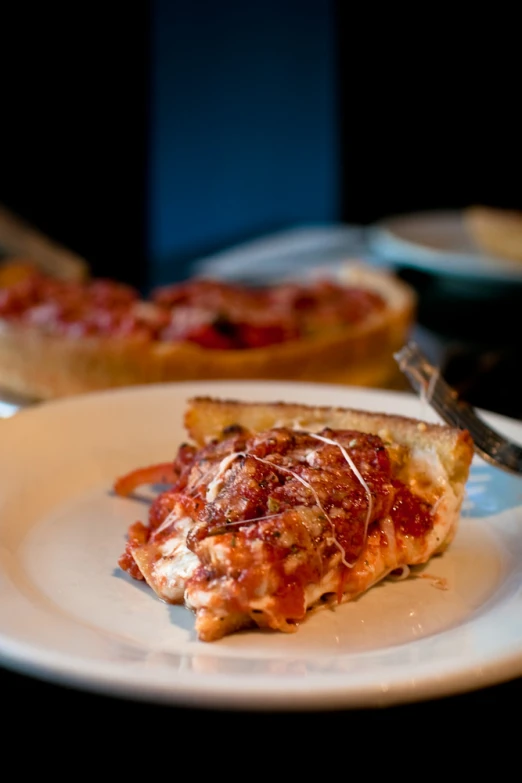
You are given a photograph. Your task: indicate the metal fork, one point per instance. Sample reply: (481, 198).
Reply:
(427, 381)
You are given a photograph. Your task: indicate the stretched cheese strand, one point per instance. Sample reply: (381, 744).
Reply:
(351, 463)
(216, 484)
(317, 500)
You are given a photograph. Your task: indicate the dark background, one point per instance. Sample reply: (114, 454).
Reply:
(438, 121)
(75, 128)
(319, 111)
(146, 135)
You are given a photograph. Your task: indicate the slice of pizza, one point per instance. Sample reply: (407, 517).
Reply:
(273, 510)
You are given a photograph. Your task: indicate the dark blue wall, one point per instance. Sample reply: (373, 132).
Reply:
(243, 124)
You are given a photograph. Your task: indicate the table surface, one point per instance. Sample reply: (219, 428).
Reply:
(479, 346)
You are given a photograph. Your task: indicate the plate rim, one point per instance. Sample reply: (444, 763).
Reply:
(16, 656)
(388, 245)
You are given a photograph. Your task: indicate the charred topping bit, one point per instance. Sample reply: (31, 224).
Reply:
(233, 429)
(273, 504)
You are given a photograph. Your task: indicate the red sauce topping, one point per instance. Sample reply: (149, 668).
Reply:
(296, 497)
(411, 515)
(210, 313)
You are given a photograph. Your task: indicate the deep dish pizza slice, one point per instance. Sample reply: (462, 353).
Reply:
(274, 510)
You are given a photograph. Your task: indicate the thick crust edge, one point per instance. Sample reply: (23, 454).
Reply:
(207, 417)
(44, 366)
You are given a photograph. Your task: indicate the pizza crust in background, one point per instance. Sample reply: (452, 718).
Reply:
(45, 366)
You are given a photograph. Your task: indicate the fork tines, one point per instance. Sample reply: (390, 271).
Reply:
(429, 383)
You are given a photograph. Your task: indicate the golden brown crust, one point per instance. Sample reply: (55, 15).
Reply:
(46, 366)
(207, 417)
(496, 231)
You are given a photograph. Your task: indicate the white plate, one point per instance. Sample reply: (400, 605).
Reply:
(293, 251)
(69, 615)
(438, 242)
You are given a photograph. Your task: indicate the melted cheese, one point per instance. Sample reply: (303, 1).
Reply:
(175, 564)
(217, 482)
(425, 470)
(420, 468)
(426, 476)
(388, 528)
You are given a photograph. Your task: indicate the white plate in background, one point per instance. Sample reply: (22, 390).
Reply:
(290, 252)
(438, 242)
(69, 615)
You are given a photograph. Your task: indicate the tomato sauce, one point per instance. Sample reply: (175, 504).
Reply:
(281, 507)
(210, 313)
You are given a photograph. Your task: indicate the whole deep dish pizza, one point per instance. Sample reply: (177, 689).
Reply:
(60, 337)
(272, 511)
